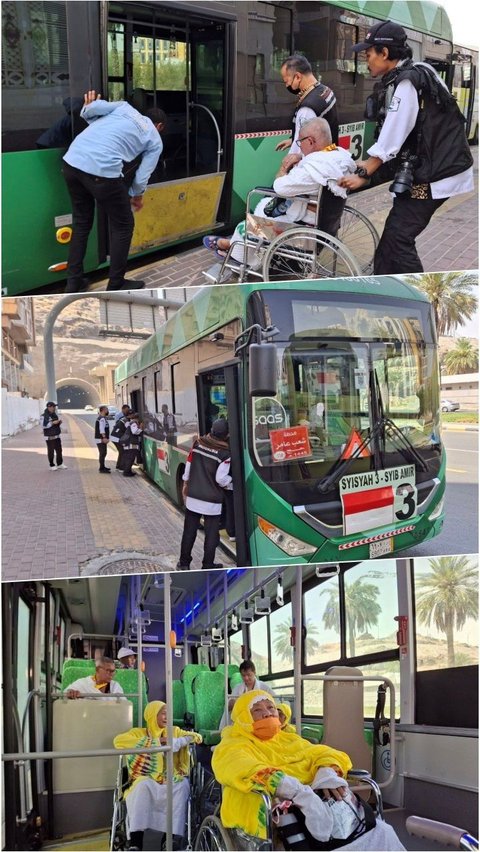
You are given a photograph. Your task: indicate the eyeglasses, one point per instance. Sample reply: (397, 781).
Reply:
(109, 671)
(302, 139)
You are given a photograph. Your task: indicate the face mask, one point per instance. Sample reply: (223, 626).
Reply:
(265, 729)
(292, 90)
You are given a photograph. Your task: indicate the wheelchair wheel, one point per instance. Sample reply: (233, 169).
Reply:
(213, 837)
(358, 234)
(305, 253)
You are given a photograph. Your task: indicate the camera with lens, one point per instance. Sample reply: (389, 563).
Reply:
(403, 180)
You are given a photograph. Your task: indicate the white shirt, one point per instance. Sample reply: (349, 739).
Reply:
(304, 114)
(240, 689)
(320, 168)
(86, 686)
(102, 427)
(399, 123)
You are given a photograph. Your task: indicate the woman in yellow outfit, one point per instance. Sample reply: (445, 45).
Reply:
(285, 714)
(147, 794)
(256, 755)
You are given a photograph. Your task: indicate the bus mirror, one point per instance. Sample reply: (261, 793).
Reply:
(263, 369)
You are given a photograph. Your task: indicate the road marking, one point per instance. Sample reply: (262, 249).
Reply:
(459, 450)
(455, 470)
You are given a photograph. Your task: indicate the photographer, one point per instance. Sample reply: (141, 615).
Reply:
(420, 145)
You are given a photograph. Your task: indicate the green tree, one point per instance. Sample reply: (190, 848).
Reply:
(452, 297)
(447, 596)
(281, 642)
(362, 610)
(462, 359)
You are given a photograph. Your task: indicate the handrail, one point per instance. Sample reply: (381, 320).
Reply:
(391, 686)
(217, 129)
(98, 752)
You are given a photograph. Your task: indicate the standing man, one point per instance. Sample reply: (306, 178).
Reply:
(93, 165)
(249, 683)
(207, 474)
(119, 427)
(102, 433)
(130, 444)
(51, 429)
(314, 100)
(169, 426)
(420, 135)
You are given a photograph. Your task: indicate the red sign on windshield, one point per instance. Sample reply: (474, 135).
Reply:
(292, 443)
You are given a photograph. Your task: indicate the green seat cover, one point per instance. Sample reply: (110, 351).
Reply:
(209, 699)
(189, 672)
(75, 672)
(128, 680)
(179, 705)
(235, 679)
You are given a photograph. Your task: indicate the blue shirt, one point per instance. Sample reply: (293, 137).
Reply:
(117, 133)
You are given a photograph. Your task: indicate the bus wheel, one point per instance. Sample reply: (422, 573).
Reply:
(180, 472)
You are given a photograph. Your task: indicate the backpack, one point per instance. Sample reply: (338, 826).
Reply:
(118, 429)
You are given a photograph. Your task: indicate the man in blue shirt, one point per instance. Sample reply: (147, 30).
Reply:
(93, 164)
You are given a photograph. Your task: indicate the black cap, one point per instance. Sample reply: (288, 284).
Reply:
(51, 403)
(219, 428)
(384, 34)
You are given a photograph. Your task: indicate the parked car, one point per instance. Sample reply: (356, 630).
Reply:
(112, 411)
(448, 405)
(89, 408)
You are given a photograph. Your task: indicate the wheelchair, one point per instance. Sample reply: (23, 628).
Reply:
(214, 837)
(119, 833)
(275, 250)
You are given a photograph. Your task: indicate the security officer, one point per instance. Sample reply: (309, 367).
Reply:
(51, 424)
(207, 474)
(131, 442)
(421, 133)
(102, 435)
(119, 427)
(314, 100)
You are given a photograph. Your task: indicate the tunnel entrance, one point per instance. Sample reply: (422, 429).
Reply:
(76, 393)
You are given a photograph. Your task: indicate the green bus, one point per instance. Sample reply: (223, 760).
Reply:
(214, 67)
(331, 391)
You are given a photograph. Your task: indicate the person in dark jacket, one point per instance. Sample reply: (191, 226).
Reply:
(102, 436)
(51, 424)
(207, 475)
(121, 422)
(420, 143)
(131, 442)
(62, 133)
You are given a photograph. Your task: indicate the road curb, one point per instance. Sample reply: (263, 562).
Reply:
(457, 427)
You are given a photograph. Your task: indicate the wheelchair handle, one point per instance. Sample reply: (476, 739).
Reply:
(450, 835)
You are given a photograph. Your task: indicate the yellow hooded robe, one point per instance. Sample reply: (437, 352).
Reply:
(287, 712)
(242, 763)
(142, 766)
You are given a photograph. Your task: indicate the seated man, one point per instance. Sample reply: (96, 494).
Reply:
(255, 754)
(322, 164)
(249, 683)
(127, 658)
(102, 681)
(146, 796)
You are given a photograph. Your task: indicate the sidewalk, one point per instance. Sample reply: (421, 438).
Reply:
(78, 522)
(449, 243)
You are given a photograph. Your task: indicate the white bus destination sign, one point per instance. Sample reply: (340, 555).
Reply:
(377, 498)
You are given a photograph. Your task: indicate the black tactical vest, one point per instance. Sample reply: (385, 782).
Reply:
(324, 104)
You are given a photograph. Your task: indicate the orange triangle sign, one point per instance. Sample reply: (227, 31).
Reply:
(354, 442)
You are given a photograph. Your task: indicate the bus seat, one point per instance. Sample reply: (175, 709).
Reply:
(235, 679)
(75, 672)
(81, 726)
(312, 732)
(232, 669)
(72, 662)
(128, 680)
(343, 717)
(188, 673)
(209, 697)
(179, 705)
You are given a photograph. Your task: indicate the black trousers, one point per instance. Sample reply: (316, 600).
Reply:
(228, 514)
(119, 449)
(211, 525)
(128, 459)
(397, 252)
(54, 446)
(102, 452)
(111, 195)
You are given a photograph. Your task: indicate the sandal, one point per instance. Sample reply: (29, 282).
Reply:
(211, 242)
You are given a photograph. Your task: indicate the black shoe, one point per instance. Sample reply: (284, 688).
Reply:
(181, 566)
(132, 473)
(126, 285)
(212, 567)
(104, 470)
(75, 286)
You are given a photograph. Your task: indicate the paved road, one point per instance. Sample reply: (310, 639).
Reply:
(460, 530)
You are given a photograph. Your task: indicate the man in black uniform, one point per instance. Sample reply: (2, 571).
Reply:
(102, 433)
(420, 143)
(51, 429)
(314, 100)
(207, 475)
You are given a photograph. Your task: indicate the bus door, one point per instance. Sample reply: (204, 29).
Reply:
(218, 396)
(177, 60)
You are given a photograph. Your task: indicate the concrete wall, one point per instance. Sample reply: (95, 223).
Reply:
(19, 413)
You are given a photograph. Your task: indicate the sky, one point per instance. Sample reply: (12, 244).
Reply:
(465, 20)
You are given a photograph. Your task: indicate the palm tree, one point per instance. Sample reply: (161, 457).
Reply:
(447, 596)
(451, 295)
(462, 359)
(281, 642)
(362, 610)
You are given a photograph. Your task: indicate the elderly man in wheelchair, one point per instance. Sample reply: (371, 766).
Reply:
(303, 789)
(306, 194)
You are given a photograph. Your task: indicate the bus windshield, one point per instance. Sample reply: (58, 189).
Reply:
(341, 367)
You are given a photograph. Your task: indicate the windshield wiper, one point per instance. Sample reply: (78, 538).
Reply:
(393, 432)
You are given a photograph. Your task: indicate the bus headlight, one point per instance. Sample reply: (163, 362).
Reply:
(290, 545)
(437, 511)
